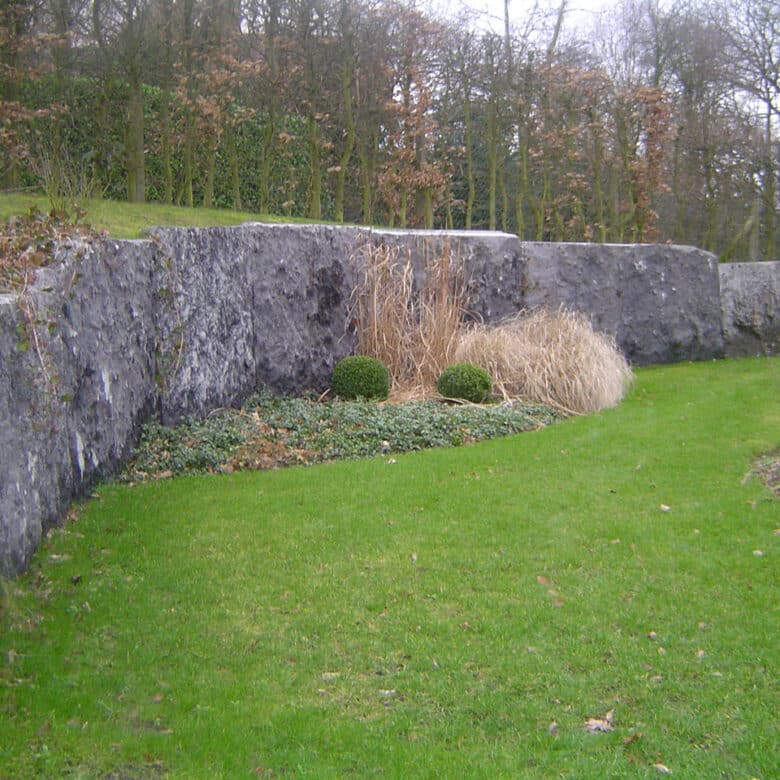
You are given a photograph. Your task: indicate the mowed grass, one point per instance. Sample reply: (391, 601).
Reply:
(454, 613)
(130, 220)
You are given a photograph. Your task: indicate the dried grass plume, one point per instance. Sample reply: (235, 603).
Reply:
(552, 357)
(415, 327)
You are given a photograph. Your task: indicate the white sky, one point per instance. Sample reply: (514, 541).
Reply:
(579, 18)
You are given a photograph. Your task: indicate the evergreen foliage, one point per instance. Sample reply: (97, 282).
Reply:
(360, 376)
(465, 382)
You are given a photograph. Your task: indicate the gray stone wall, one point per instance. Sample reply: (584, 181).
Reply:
(120, 332)
(660, 302)
(750, 308)
(76, 377)
(249, 307)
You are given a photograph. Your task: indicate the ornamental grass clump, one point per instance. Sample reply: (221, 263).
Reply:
(410, 322)
(465, 382)
(551, 357)
(360, 376)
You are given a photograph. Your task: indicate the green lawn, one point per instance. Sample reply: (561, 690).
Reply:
(454, 613)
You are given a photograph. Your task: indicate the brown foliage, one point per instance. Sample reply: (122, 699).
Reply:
(27, 243)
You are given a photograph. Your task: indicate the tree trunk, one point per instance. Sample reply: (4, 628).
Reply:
(349, 143)
(165, 136)
(211, 164)
(189, 142)
(233, 166)
(471, 190)
(315, 171)
(492, 152)
(769, 192)
(366, 155)
(266, 153)
(134, 142)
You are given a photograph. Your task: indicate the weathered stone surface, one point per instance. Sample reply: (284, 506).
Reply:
(750, 306)
(660, 302)
(76, 378)
(249, 307)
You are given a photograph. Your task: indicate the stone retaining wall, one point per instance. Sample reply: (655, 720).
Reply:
(120, 332)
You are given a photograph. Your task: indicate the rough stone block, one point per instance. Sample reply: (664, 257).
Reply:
(750, 306)
(661, 303)
(76, 380)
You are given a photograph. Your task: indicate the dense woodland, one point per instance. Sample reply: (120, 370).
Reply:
(660, 122)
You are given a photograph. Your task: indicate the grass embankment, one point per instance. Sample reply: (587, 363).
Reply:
(454, 613)
(129, 220)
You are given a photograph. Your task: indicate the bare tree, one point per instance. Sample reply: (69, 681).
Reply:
(752, 29)
(119, 28)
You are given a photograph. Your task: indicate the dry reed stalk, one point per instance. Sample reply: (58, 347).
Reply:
(412, 328)
(441, 304)
(550, 357)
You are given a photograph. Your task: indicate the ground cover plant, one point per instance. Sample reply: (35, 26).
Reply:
(593, 599)
(271, 431)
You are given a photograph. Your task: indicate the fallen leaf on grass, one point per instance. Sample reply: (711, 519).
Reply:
(664, 770)
(595, 725)
(542, 580)
(598, 724)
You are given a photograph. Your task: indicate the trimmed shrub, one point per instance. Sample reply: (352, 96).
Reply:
(360, 376)
(466, 382)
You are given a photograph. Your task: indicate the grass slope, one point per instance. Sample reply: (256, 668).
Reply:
(129, 220)
(454, 613)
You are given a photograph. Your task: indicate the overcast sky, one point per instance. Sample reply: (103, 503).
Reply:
(579, 17)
